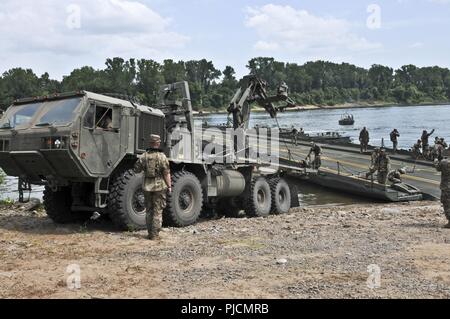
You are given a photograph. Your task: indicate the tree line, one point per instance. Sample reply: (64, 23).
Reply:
(314, 83)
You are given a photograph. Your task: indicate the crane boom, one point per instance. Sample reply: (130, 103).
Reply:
(254, 90)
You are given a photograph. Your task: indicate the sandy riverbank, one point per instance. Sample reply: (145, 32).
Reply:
(309, 253)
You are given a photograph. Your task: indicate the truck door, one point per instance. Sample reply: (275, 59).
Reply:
(100, 142)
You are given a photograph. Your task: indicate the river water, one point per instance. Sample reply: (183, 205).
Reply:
(410, 121)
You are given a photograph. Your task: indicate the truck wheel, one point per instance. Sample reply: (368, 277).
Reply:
(259, 201)
(185, 203)
(294, 196)
(126, 202)
(58, 206)
(281, 196)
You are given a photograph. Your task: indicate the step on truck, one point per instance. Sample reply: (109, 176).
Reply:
(83, 146)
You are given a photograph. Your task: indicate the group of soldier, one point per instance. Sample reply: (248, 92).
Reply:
(364, 139)
(381, 162)
(422, 149)
(157, 183)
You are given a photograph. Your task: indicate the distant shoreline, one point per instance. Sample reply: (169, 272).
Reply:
(333, 107)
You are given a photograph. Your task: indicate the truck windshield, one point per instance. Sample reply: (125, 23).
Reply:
(59, 112)
(18, 116)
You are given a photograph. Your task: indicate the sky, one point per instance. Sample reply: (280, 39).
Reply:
(57, 36)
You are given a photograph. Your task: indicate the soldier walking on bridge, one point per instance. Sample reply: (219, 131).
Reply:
(364, 139)
(394, 139)
(156, 168)
(443, 166)
(295, 135)
(317, 150)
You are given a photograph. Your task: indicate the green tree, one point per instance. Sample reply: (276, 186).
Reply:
(121, 75)
(19, 83)
(86, 78)
(173, 71)
(149, 80)
(382, 78)
(229, 75)
(48, 86)
(270, 70)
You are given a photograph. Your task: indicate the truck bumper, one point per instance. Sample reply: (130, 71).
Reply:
(35, 166)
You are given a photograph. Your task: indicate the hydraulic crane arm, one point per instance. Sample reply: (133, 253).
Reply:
(254, 90)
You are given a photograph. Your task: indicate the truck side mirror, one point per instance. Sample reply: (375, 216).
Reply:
(116, 117)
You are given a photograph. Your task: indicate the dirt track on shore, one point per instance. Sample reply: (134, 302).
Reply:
(309, 253)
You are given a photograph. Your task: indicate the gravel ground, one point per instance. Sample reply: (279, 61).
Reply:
(309, 253)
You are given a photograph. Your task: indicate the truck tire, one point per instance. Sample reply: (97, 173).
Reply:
(294, 195)
(185, 203)
(58, 206)
(126, 201)
(259, 201)
(281, 196)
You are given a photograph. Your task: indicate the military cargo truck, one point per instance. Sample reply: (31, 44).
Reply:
(82, 147)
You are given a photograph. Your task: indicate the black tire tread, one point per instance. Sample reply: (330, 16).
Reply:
(273, 186)
(294, 195)
(250, 206)
(116, 202)
(273, 182)
(58, 208)
(171, 218)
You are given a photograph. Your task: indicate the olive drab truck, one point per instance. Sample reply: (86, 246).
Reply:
(83, 146)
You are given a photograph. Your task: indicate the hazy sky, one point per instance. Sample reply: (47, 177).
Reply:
(60, 35)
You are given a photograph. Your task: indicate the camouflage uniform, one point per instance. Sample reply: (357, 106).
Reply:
(425, 140)
(394, 139)
(384, 166)
(417, 150)
(364, 138)
(155, 165)
(317, 150)
(395, 176)
(444, 167)
(295, 136)
(440, 149)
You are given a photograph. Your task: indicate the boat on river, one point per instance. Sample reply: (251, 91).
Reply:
(347, 119)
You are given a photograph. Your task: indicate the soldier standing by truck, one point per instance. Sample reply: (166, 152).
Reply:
(443, 166)
(156, 168)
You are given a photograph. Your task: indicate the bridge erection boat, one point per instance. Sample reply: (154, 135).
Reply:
(347, 119)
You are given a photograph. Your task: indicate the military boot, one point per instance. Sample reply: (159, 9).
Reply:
(153, 235)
